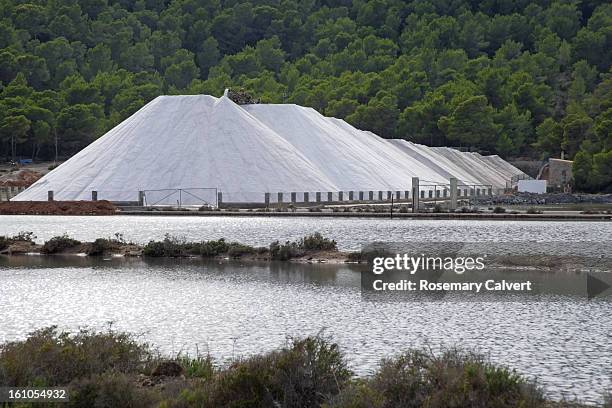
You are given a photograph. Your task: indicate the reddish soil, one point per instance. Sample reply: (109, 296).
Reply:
(21, 178)
(57, 207)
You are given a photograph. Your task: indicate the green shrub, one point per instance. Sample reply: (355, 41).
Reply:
(103, 245)
(171, 247)
(358, 394)
(286, 251)
(213, 248)
(59, 244)
(198, 367)
(99, 247)
(112, 390)
(316, 242)
(455, 378)
(49, 357)
(499, 210)
(306, 374)
(154, 249)
(237, 250)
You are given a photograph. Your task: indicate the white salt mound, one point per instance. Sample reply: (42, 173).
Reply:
(202, 144)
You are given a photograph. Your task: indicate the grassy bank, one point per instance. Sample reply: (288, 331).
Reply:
(111, 369)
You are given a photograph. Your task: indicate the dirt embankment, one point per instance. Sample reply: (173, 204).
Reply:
(57, 208)
(20, 178)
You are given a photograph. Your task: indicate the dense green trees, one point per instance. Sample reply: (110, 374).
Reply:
(513, 78)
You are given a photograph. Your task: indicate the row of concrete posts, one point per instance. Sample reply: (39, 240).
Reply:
(452, 193)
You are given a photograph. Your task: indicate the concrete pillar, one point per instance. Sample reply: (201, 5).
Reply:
(279, 198)
(50, 195)
(94, 195)
(219, 199)
(361, 196)
(340, 196)
(351, 195)
(318, 196)
(330, 196)
(371, 196)
(267, 199)
(453, 193)
(490, 191)
(415, 194)
(293, 197)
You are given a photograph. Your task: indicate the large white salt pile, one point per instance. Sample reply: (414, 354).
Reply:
(352, 159)
(202, 145)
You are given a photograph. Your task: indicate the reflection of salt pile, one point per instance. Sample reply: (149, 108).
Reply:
(199, 141)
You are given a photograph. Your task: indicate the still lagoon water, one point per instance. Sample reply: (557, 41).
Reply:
(233, 309)
(350, 233)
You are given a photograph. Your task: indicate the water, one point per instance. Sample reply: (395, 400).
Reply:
(350, 233)
(233, 309)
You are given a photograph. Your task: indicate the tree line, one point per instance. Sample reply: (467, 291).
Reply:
(523, 78)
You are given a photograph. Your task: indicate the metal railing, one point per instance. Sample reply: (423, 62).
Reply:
(179, 197)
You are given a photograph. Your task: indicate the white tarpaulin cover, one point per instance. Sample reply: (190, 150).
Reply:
(199, 143)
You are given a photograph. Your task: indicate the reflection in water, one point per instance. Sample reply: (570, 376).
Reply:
(237, 309)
